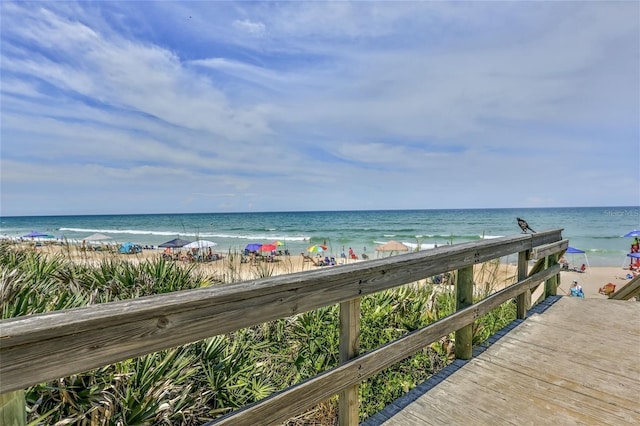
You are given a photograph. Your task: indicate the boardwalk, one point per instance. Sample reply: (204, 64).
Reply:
(578, 362)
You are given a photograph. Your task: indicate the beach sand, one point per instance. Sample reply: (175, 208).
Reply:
(494, 276)
(593, 279)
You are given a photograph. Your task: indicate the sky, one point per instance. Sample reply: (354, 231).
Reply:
(116, 107)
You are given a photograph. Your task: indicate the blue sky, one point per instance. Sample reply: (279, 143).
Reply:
(153, 107)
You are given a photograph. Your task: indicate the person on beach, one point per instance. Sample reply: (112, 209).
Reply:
(576, 290)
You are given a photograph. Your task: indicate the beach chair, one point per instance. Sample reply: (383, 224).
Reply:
(607, 289)
(312, 260)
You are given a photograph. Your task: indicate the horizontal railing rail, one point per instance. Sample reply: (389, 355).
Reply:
(43, 347)
(278, 407)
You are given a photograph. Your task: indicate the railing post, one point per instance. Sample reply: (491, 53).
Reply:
(551, 285)
(13, 410)
(348, 400)
(464, 298)
(523, 300)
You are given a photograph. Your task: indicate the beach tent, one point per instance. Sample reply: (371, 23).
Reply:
(175, 243)
(573, 250)
(129, 248)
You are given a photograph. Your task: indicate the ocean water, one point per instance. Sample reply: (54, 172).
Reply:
(596, 230)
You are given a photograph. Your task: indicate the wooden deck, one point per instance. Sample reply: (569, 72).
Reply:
(573, 361)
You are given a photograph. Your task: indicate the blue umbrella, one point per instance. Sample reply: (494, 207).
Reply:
(634, 233)
(253, 247)
(35, 234)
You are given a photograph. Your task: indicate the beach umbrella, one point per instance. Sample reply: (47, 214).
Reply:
(175, 243)
(97, 237)
(634, 233)
(35, 234)
(278, 243)
(253, 246)
(318, 248)
(392, 246)
(267, 247)
(200, 244)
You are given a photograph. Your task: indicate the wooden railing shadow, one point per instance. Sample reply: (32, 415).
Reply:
(38, 348)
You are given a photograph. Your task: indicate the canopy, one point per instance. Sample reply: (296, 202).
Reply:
(175, 243)
(97, 237)
(392, 246)
(200, 244)
(574, 250)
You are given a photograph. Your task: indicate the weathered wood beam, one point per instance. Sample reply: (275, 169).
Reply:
(523, 301)
(348, 400)
(549, 249)
(464, 299)
(629, 290)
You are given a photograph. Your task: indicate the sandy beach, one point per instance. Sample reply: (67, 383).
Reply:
(591, 280)
(594, 279)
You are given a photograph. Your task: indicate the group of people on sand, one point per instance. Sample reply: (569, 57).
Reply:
(192, 255)
(353, 255)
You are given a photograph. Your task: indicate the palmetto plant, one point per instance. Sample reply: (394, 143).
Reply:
(232, 373)
(203, 380)
(314, 341)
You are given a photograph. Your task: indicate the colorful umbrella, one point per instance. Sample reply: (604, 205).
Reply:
(318, 248)
(267, 247)
(634, 233)
(253, 247)
(278, 243)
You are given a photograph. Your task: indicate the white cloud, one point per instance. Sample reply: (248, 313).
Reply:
(253, 104)
(254, 28)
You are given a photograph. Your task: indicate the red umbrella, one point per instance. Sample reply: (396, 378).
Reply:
(267, 247)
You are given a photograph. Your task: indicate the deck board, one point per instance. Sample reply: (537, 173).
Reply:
(578, 362)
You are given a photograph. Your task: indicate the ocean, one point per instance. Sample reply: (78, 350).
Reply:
(596, 230)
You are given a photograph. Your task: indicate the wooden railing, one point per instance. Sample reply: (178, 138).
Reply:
(39, 348)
